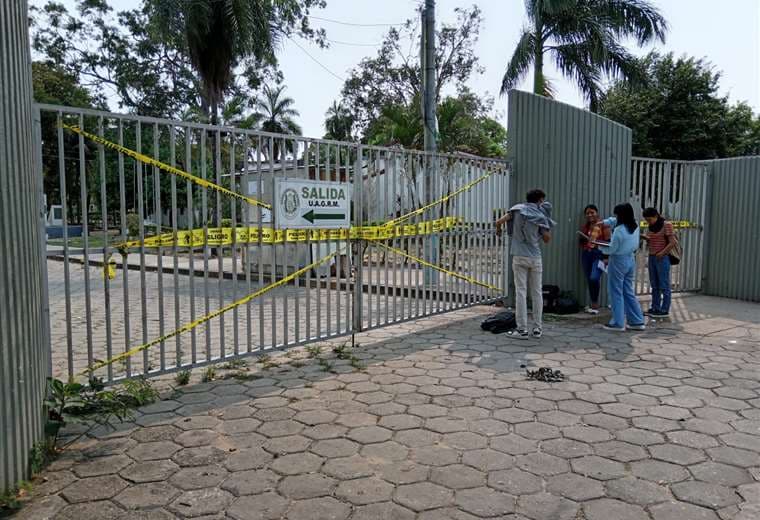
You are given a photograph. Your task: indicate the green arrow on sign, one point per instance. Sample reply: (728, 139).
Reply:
(311, 216)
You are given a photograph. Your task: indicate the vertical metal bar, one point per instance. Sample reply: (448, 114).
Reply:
(106, 279)
(191, 249)
(260, 248)
(329, 245)
(204, 217)
(220, 249)
(385, 217)
(296, 262)
(160, 253)
(86, 242)
(175, 250)
(347, 244)
(419, 187)
(65, 221)
(338, 260)
(247, 224)
(141, 232)
(233, 215)
(124, 258)
(285, 258)
(272, 294)
(394, 241)
(357, 246)
(307, 154)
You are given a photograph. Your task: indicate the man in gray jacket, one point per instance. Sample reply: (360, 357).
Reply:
(528, 225)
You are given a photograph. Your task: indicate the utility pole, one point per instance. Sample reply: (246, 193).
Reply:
(430, 124)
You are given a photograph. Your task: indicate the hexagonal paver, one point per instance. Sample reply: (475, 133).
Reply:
(606, 509)
(734, 456)
(324, 431)
(147, 496)
(487, 459)
(436, 455)
(314, 417)
(194, 438)
(637, 491)
(281, 428)
(404, 472)
(156, 433)
(658, 471)
(201, 456)
(154, 450)
(458, 476)
(620, 451)
(705, 494)
(151, 471)
(354, 420)
(383, 510)
(423, 496)
(417, 437)
(102, 510)
(547, 505)
(675, 454)
(251, 482)
(364, 490)
(251, 458)
(537, 431)
(325, 508)
(515, 481)
(513, 444)
(297, 463)
(199, 477)
(598, 468)
(542, 464)
(590, 434)
(575, 487)
(300, 487)
(94, 488)
(464, 441)
(239, 426)
(201, 502)
(723, 474)
(369, 434)
(485, 502)
(266, 506)
(101, 466)
(680, 511)
(289, 444)
(566, 448)
(348, 467)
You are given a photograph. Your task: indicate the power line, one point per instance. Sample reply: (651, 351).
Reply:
(315, 60)
(354, 44)
(356, 24)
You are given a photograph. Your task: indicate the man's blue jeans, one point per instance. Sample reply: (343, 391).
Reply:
(621, 272)
(659, 279)
(590, 261)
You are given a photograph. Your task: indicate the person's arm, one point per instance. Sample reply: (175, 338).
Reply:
(502, 220)
(671, 241)
(546, 235)
(614, 246)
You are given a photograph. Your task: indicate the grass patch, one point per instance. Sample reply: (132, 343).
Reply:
(313, 350)
(209, 374)
(182, 378)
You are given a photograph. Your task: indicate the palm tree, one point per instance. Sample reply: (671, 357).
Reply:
(583, 38)
(218, 35)
(274, 113)
(339, 122)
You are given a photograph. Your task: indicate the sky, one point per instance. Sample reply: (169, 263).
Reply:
(725, 33)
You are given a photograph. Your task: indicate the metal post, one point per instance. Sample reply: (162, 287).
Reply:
(23, 355)
(358, 245)
(430, 126)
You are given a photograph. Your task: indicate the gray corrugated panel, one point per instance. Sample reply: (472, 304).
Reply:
(577, 158)
(23, 362)
(734, 237)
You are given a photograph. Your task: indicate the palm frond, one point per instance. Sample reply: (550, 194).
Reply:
(522, 58)
(634, 18)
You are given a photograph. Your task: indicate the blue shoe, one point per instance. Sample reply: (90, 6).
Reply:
(640, 326)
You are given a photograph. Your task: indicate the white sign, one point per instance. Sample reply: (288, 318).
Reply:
(266, 214)
(312, 204)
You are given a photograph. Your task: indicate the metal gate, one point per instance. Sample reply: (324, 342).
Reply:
(680, 191)
(151, 271)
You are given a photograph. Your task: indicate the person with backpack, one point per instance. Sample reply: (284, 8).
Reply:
(621, 270)
(529, 225)
(661, 240)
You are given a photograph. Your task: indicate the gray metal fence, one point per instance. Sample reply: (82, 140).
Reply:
(679, 190)
(136, 253)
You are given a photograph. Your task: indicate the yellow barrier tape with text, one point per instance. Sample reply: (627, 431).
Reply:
(165, 167)
(677, 224)
(466, 278)
(190, 326)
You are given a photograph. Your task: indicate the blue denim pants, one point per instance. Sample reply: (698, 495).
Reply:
(590, 262)
(659, 279)
(621, 272)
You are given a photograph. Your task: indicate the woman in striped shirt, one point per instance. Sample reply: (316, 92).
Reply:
(661, 240)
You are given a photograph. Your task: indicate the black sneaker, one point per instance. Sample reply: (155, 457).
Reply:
(520, 334)
(649, 312)
(659, 314)
(537, 333)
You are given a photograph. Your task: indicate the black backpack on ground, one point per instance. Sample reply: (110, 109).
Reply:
(501, 322)
(566, 303)
(550, 293)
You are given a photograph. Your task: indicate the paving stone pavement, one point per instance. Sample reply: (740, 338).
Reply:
(441, 423)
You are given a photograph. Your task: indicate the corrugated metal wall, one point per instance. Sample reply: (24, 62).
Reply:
(577, 158)
(733, 235)
(23, 357)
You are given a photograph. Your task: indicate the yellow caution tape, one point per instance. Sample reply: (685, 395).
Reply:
(466, 278)
(677, 224)
(190, 326)
(226, 236)
(109, 269)
(443, 199)
(165, 167)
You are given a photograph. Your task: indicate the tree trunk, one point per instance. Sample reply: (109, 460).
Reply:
(538, 50)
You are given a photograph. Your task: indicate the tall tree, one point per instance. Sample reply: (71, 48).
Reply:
(275, 112)
(393, 77)
(339, 122)
(679, 114)
(220, 35)
(584, 40)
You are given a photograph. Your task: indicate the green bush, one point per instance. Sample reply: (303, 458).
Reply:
(133, 225)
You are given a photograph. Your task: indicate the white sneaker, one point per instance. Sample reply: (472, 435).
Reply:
(643, 326)
(591, 310)
(614, 329)
(519, 333)
(537, 333)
